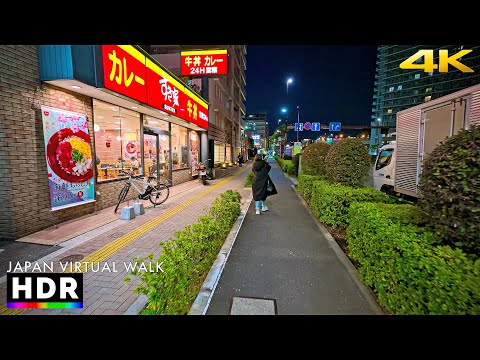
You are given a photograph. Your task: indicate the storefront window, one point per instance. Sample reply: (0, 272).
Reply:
(194, 151)
(117, 140)
(219, 153)
(179, 147)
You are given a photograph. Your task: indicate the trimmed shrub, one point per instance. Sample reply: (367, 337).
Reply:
(348, 163)
(250, 179)
(331, 202)
(450, 189)
(296, 162)
(305, 185)
(406, 267)
(187, 258)
(287, 157)
(286, 165)
(313, 158)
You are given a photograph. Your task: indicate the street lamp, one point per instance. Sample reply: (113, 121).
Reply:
(279, 120)
(289, 81)
(284, 110)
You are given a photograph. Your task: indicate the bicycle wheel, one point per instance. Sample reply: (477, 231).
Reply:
(159, 194)
(122, 196)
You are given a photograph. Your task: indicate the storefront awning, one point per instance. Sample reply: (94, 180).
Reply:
(125, 76)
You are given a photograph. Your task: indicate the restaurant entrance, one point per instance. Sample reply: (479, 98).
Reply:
(156, 149)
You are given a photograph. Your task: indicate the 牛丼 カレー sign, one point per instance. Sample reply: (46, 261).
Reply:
(204, 63)
(127, 71)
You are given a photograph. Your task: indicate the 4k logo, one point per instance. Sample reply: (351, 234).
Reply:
(443, 61)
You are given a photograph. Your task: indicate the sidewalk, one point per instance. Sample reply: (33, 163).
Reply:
(281, 263)
(120, 241)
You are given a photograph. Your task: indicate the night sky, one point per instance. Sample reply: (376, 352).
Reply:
(330, 83)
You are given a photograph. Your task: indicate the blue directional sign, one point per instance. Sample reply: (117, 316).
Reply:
(335, 126)
(298, 126)
(316, 126)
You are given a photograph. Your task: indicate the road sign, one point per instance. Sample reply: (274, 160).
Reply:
(316, 126)
(297, 148)
(307, 125)
(298, 126)
(335, 126)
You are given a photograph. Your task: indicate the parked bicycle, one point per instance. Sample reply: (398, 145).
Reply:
(156, 191)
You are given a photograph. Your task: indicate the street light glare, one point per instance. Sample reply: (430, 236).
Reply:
(289, 81)
(284, 110)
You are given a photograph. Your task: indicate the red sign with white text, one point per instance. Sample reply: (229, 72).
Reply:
(124, 71)
(204, 63)
(128, 72)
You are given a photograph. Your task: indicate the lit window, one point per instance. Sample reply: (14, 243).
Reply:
(428, 89)
(399, 87)
(417, 76)
(428, 98)
(391, 88)
(117, 140)
(430, 73)
(389, 111)
(179, 147)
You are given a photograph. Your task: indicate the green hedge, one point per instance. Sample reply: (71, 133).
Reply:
(402, 261)
(331, 202)
(305, 185)
(249, 180)
(187, 258)
(287, 166)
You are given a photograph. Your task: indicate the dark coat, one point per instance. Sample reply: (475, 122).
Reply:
(259, 185)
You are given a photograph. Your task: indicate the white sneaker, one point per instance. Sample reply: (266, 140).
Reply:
(257, 211)
(264, 208)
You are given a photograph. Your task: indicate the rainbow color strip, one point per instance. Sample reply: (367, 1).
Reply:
(44, 305)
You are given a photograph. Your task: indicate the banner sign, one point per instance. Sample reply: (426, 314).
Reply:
(69, 158)
(204, 63)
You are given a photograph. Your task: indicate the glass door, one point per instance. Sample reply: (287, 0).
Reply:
(157, 153)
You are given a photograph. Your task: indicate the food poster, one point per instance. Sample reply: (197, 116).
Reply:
(69, 158)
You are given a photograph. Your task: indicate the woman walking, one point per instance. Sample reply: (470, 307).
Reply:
(262, 186)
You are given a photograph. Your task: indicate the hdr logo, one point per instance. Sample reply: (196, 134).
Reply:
(44, 291)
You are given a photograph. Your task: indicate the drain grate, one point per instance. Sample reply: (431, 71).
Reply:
(116, 235)
(72, 258)
(242, 305)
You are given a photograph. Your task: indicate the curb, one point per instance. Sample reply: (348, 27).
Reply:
(352, 271)
(202, 301)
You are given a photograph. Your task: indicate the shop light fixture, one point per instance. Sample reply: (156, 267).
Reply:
(99, 116)
(163, 138)
(96, 127)
(134, 107)
(75, 86)
(117, 122)
(153, 122)
(119, 138)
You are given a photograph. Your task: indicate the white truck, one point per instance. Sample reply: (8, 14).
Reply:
(420, 129)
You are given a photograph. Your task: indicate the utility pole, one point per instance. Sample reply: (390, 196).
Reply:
(298, 119)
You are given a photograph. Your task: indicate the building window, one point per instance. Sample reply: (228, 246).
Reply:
(428, 98)
(179, 147)
(428, 89)
(399, 87)
(417, 76)
(389, 111)
(430, 73)
(219, 153)
(117, 140)
(391, 88)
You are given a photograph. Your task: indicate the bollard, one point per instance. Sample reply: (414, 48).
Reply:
(139, 208)
(128, 213)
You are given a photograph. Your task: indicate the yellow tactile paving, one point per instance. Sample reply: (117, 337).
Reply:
(112, 247)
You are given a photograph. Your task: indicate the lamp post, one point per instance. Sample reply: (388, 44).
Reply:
(289, 81)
